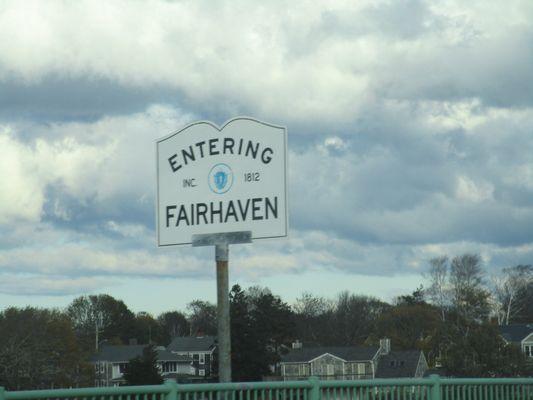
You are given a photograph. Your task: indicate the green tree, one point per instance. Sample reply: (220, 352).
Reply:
(243, 341)
(202, 317)
(274, 320)
(413, 299)
(353, 318)
(261, 324)
(482, 353)
(410, 326)
(147, 329)
(39, 349)
(143, 370)
(173, 323)
(101, 317)
(313, 317)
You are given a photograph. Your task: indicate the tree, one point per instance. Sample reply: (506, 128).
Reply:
(173, 323)
(101, 317)
(147, 329)
(202, 317)
(483, 353)
(143, 370)
(469, 296)
(261, 327)
(353, 318)
(274, 318)
(39, 350)
(438, 291)
(413, 299)
(510, 291)
(410, 326)
(243, 341)
(313, 316)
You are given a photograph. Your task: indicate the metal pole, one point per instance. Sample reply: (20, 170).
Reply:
(223, 320)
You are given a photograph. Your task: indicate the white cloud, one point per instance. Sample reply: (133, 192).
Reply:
(469, 190)
(32, 285)
(103, 160)
(410, 130)
(281, 59)
(21, 190)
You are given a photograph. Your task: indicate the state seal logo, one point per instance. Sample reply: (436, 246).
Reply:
(220, 178)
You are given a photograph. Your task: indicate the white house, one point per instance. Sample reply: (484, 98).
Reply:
(111, 361)
(521, 335)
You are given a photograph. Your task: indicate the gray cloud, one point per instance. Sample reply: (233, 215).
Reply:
(410, 132)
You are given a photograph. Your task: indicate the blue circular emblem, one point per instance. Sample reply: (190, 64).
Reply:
(220, 178)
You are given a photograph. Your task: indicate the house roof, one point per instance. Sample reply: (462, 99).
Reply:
(398, 364)
(190, 344)
(122, 353)
(516, 332)
(116, 353)
(353, 353)
(165, 355)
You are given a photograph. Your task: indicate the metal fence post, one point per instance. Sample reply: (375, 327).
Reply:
(315, 389)
(2, 393)
(173, 390)
(435, 387)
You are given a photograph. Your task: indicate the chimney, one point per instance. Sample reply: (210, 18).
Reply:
(384, 346)
(297, 345)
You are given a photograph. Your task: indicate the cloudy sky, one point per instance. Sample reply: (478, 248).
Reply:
(410, 136)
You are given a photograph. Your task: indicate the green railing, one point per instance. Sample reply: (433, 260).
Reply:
(433, 388)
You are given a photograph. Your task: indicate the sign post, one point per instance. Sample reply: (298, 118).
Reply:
(222, 186)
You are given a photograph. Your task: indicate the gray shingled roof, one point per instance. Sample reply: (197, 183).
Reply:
(183, 343)
(118, 353)
(516, 332)
(165, 355)
(354, 353)
(398, 364)
(123, 353)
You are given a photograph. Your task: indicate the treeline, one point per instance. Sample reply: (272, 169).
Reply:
(454, 320)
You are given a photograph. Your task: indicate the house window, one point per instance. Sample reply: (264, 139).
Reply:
(330, 369)
(170, 367)
(201, 372)
(122, 367)
(528, 350)
(195, 357)
(202, 358)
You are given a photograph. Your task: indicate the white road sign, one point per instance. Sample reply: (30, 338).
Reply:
(217, 180)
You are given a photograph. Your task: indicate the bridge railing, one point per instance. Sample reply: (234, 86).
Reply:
(433, 388)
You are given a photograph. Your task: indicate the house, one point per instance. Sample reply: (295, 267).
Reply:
(111, 361)
(402, 364)
(351, 362)
(520, 335)
(200, 349)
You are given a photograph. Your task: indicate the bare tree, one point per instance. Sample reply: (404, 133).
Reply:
(507, 288)
(469, 296)
(438, 291)
(312, 306)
